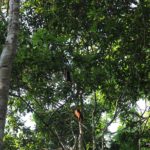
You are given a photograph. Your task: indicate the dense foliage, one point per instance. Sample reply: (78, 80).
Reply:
(87, 54)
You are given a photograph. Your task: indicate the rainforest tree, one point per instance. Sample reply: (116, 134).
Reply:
(86, 55)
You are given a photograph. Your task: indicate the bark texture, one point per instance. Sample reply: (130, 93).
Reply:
(93, 123)
(6, 59)
(80, 140)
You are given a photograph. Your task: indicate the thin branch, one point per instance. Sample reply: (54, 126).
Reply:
(145, 124)
(74, 136)
(59, 140)
(47, 125)
(115, 114)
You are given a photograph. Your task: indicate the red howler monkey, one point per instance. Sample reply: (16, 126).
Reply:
(78, 114)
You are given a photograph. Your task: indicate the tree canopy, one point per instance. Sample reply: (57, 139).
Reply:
(90, 55)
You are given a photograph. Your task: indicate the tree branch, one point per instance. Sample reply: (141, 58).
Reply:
(47, 125)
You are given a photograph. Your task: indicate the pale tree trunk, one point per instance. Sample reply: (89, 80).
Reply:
(93, 131)
(139, 144)
(6, 59)
(93, 123)
(102, 143)
(80, 140)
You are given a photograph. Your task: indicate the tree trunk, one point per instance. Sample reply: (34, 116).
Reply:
(80, 140)
(102, 143)
(6, 59)
(93, 131)
(93, 123)
(139, 144)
